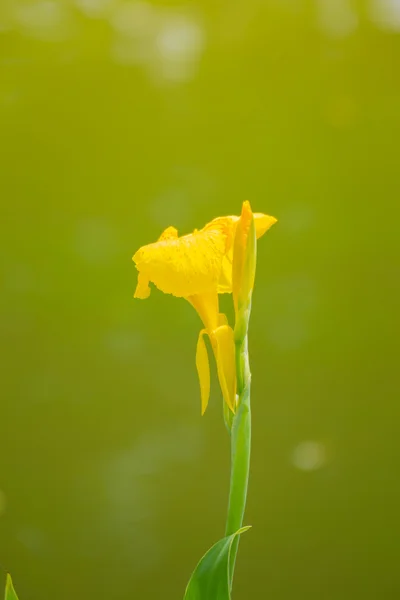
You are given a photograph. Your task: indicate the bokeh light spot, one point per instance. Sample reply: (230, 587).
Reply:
(309, 456)
(336, 18)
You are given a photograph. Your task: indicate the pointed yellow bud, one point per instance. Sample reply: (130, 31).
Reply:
(244, 263)
(244, 266)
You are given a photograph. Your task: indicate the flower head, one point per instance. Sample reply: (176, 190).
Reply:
(198, 267)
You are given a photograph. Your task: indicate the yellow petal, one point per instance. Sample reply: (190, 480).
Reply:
(226, 226)
(142, 289)
(225, 280)
(203, 370)
(186, 265)
(207, 307)
(263, 223)
(224, 350)
(171, 233)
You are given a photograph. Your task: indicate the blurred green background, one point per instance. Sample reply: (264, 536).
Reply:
(118, 119)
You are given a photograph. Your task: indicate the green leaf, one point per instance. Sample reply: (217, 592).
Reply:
(10, 592)
(210, 579)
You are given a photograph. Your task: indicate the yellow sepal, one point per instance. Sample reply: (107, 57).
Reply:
(142, 289)
(203, 370)
(223, 344)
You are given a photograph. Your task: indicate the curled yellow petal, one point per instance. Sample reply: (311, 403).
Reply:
(203, 370)
(187, 265)
(224, 350)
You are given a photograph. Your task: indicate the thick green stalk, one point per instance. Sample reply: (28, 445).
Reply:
(240, 450)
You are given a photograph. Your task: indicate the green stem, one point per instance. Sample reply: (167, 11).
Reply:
(240, 451)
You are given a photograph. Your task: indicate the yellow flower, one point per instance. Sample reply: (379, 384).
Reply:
(198, 267)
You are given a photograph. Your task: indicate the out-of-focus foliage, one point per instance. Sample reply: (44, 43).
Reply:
(120, 118)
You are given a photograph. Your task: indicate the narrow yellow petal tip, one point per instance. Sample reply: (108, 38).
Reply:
(171, 233)
(263, 223)
(246, 207)
(245, 221)
(142, 289)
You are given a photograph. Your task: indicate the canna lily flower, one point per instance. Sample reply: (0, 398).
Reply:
(198, 267)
